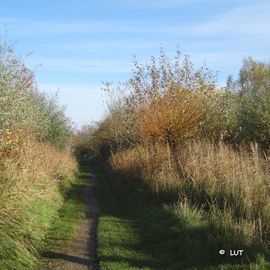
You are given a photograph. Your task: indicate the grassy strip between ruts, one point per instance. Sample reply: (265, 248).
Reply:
(134, 232)
(64, 227)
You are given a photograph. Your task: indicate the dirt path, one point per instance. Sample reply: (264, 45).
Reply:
(81, 255)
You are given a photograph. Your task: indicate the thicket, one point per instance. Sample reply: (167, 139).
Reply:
(172, 130)
(24, 107)
(35, 162)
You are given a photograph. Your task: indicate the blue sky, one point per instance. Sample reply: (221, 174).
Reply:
(81, 43)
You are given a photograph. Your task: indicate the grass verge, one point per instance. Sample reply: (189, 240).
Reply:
(64, 227)
(135, 232)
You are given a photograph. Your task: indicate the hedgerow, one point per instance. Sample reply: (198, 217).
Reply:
(35, 162)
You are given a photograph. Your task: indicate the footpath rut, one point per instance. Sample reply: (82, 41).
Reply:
(81, 255)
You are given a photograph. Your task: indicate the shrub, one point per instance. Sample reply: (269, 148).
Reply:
(164, 100)
(161, 74)
(33, 170)
(251, 115)
(117, 131)
(23, 107)
(174, 117)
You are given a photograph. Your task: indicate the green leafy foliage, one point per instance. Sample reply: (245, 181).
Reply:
(24, 107)
(33, 169)
(250, 120)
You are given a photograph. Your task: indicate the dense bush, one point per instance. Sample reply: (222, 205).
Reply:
(254, 108)
(35, 163)
(254, 77)
(117, 131)
(23, 107)
(173, 117)
(162, 101)
(172, 101)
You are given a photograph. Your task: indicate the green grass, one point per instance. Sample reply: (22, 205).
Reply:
(119, 244)
(64, 227)
(137, 232)
(20, 248)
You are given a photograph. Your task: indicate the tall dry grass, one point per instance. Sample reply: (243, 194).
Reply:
(212, 177)
(30, 180)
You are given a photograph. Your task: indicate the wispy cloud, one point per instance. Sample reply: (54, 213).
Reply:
(80, 65)
(168, 4)
(27, 27)
(250, 19)
(117, 44)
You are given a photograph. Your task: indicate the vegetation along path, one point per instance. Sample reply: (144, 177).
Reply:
(80, 252)
(135, 230)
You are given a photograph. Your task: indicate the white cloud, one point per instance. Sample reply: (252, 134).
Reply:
(25, 27)
(161, 4)
(80, 65)
(119, 44)
(251, 19)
